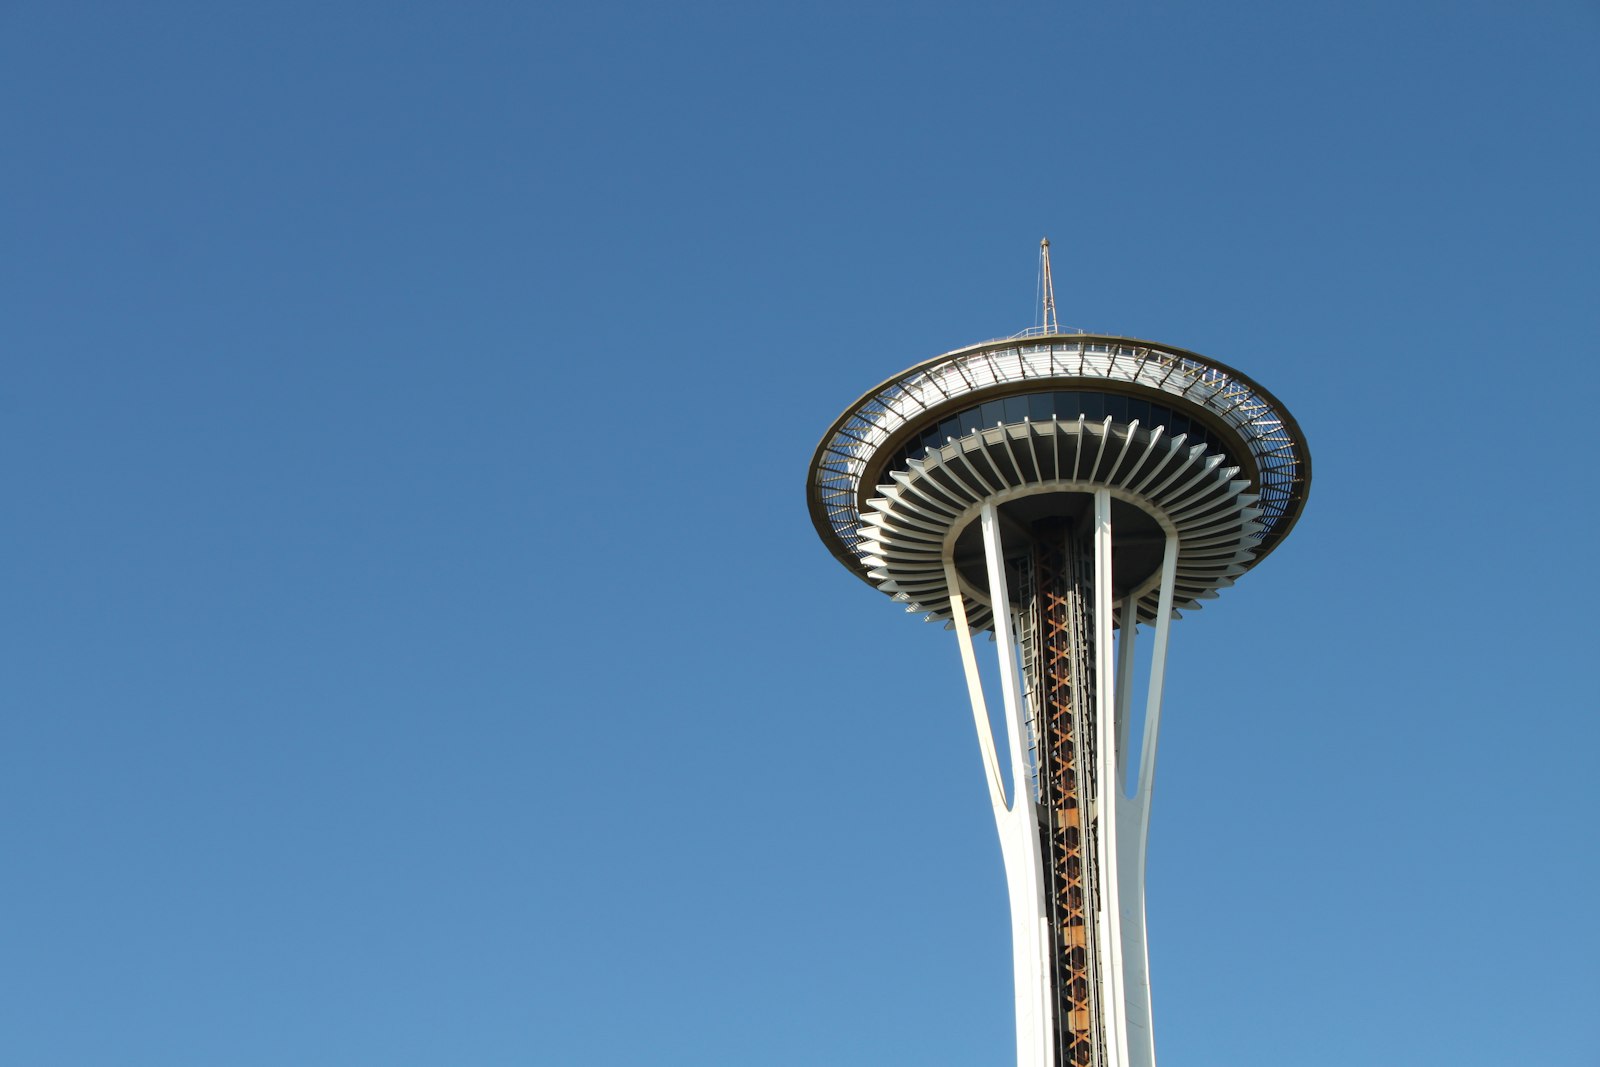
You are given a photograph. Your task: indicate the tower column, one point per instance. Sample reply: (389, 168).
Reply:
(1073, 827)
(1133, 829)
(1109, 913)
(1030, 923)
(1016, 817)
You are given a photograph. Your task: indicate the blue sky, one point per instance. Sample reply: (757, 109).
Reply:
(415, 649)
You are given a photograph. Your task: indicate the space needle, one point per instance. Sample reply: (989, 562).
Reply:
(1063, 491)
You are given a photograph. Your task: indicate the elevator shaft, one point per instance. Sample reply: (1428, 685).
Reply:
(1058, 635)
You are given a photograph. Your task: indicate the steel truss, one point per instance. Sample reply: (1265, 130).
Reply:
(1056, 630)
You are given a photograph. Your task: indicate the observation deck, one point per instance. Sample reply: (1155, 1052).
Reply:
(896, 479)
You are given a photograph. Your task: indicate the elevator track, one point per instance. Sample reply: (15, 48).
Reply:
(1058, 651)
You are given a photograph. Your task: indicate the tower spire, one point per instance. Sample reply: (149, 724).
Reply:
(1048, 288)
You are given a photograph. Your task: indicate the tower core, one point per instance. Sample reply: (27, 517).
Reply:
(1063, 490)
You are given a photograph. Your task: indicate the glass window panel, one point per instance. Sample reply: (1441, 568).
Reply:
(992, 412)
(1041, 407)
(1015, 408)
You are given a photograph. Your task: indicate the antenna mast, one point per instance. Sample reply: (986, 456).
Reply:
(1048, 288)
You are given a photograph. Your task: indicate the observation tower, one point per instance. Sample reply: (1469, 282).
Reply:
(1063, 490)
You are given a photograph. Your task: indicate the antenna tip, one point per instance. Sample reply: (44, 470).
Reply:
(1044, 242)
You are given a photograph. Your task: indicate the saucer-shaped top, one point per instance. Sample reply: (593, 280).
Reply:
(1054, 377)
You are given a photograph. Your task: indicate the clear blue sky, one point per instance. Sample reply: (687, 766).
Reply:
(415, 650)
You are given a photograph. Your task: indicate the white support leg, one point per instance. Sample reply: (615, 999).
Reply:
(1127, 633)
(980, 706)
(1108, 916)
(1133, 829)
(1124, 817)
(1005, 641)
(1017, 821)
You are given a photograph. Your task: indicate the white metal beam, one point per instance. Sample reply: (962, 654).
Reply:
(1127, 633)
(980, 706)
(1108, 915)
(1018, 824)
(1133, 831)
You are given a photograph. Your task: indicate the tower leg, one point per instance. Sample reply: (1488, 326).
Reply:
(1109, 912)
(1017, 821)
(1133, 830)
(1072, 839)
